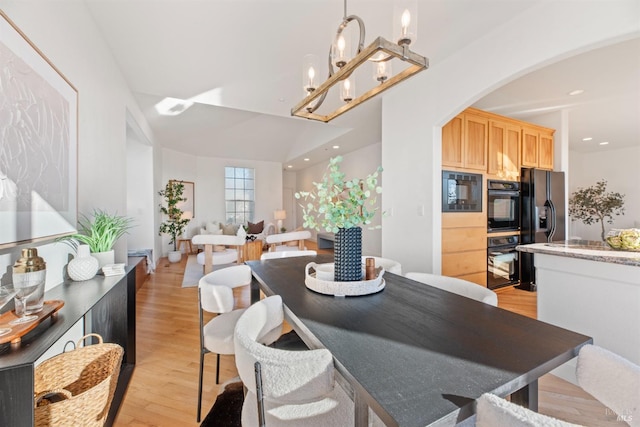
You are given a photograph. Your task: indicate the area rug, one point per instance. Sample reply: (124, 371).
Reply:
(192, 272)
(227, 409)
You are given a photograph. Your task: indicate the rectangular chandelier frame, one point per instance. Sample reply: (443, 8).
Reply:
(418, 63)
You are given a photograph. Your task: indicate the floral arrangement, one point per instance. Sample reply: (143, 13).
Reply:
(340, 203)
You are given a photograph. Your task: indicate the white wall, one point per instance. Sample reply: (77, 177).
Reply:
(66, 34)
(357, 164)
(208, 175)
(140, 195)
(621, 169)
(289, 186)
(413, 112)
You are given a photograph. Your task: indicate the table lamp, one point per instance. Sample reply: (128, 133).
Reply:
(280, 215)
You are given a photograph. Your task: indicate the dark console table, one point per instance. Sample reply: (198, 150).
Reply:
(107, 306)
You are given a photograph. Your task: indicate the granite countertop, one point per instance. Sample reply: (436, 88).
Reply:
(584, 249)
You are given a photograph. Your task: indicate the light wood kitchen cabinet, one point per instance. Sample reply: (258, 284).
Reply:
(545, 151)
(464, 142)
(464, 246)
(504, 150)
(537, 148)
(452, 142)
(476, 130)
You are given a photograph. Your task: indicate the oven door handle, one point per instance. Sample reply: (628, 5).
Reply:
(504, 193)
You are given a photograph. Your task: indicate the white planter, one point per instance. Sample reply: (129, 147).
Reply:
(174, 256)
(104, 258)
(83, 266)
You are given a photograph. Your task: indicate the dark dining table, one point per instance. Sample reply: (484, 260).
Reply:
(414, 354)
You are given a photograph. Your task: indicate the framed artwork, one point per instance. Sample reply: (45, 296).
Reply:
(38, 143)
(188, 206)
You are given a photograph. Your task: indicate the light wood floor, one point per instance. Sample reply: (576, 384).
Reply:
(163, 390)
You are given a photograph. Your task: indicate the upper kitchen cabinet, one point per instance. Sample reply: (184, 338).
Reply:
(504, 150)
(464, 142)
(452, 142)
(537, 147)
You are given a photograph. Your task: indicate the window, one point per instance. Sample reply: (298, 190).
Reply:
(239, 194)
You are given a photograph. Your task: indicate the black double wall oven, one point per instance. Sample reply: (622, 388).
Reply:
(503, 215)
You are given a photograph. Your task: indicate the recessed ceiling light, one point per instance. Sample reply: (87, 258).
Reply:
(335, 147)
(306, 160)
(290, 166)
(604, 143)
(587, 139)
(576, 92)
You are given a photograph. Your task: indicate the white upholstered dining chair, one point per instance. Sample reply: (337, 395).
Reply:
(290, 241)
(610, 378)
(215, 295)
(457, 286)
(297, 387)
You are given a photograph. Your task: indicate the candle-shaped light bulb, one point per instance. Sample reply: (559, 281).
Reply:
(406, 20)
(381, 71)
(346, 91)
(309, 71)
(311, 86)
(339, 51)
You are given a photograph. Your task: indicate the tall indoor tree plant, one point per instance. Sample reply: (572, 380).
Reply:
(175, 224)
(594, 204)
(341, 206)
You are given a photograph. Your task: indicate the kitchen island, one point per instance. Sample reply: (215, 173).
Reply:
(589, 288)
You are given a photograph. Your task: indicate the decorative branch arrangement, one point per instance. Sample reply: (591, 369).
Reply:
(594, 204)
(339, 203)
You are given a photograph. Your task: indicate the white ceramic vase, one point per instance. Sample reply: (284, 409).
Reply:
(104, 258)
(83, 266)
(174, 256)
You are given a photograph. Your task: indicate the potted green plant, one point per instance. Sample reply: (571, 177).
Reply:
(100, 233)
(341, 206)
(175, 223)
(594, 204)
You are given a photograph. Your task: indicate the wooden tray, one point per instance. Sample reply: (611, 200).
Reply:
(49, 309)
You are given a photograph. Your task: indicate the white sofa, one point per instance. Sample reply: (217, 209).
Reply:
(217, 228)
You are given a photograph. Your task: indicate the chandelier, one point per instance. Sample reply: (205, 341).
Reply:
(380, 54)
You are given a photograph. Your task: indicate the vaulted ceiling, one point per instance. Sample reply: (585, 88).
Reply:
(240, 64)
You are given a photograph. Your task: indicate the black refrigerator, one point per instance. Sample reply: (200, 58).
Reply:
(543, 215)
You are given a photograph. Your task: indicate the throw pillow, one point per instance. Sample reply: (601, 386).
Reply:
(213, 226)
(255, 228)
(229, 229)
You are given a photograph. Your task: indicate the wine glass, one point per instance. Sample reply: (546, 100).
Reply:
(6, 293)
(23, 292)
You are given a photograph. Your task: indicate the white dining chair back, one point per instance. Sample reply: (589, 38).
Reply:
(298, 387)
(494, 411)
(612, 379)
(287, 254)
(215, 295)
(279, 242)
(389, 265)
(457, 286)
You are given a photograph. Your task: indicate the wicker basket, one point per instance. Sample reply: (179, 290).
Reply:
(76, 388)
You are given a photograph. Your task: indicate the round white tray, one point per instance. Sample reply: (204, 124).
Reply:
(341, 289)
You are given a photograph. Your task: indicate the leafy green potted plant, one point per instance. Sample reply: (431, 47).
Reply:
(594, 204)
(175, 224)
(100, 233)
(341, 206)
